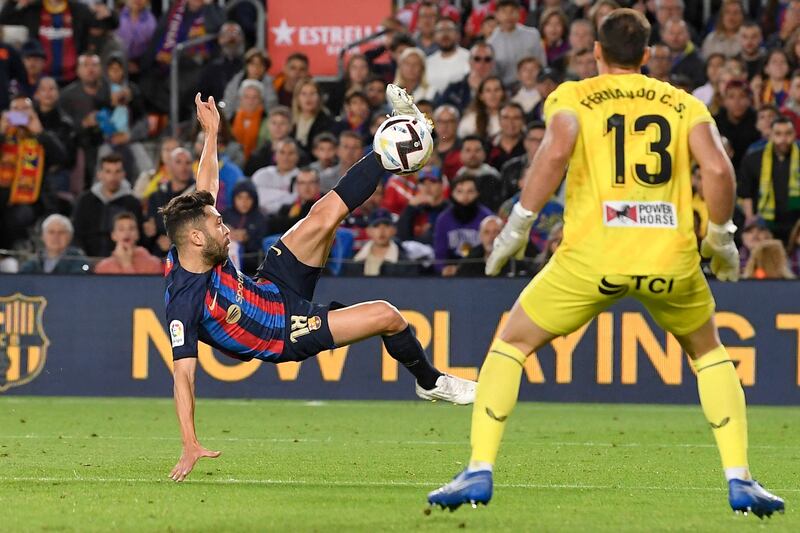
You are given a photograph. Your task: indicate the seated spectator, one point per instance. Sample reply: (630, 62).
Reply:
(527, 95)
(418, 219)
(324, 151)
(275, 183)
(398, 192)
(425, 34)
(229, 172)
(508, 144)
(769, 181)
(249, 126)
(128, 257)
(383, 64)
(376, 95)
(149, 181)
(512, 170)
(768, 261)
(791, 106)
(295, 69)
(485, 177)
(227, 63)
(549, 215)
(356, 116)
(309, 118)
(581, 35)
(481, 65)
(349, 151)
(737, 119)
(753, 234)
(550, 247)
(355, 78)
(451, 62)
(705, 93)
(102, 40)
(58, 125)
(483, 116)
(456, 230)
(793, 249)
(600, 10)
(553, 27)
(62, 47)
(248, 226)
(381, 255)
(411, 74)
(28, 151)
(57, 256)
(12, 73)
(279, 126)
(724, 38)
(660, 62)
(753, 54)
(256, 65)
(448, 146)
(546, 82)
(306, 186)
(96, 208)
(181, 181)
(765, 115)
(136, 27)
(474, 264)
(581, 64)
(512, 41)
(775, 87)
(35, 60)
(684, 54)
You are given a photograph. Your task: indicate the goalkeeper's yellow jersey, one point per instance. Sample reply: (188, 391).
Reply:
(628, 187)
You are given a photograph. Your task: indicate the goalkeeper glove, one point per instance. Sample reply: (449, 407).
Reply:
(720, 248)
(512, 239)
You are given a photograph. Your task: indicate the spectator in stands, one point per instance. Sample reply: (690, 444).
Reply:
(791, 106)
(136, 27)
(775, 87)
(483, 116)
(753, 54)
(183, 21)
(356, 76)
(356, 116)
(381, 255)
(513, 169)
(474, 264)
(95, 209)
(660, 62)
(349, 151)
(307, 191)
(770, 180)
(765, 115)
(768, 261)
(600, 10)
(309, 117)
(793, 249)
(724, 39)
(279, 125)
(82, 100)
(448, 146)
(35, 61)
(753, 233)
(61, 26)
(376, 94)
(527, 95)
(60, 126)
(713, 69)
(481, 64)
(227, 63)
(295, 70)
(275, 183)
(250, 122)
(553, 27)
(12, 73)
(181, 181)
(358, 220)
(512, 41)
(486, 177)
(418, 219)
(411, 74)
(450, 63)
(248, 226)
(685, 59)
(665, 10)
(508, 143)
(582, 64)
(737, 119)
(127, 257)
(102, 40)
(256, 65)
(28, 150)
(581, 35)
(398, 42)
(57, 256)
(398, 191)
(425, 35)
(553, 242)
(456, 230)
(149, 181)
(324, 151)
(546, 82)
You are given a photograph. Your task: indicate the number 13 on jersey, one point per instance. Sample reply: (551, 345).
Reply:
(617, 125)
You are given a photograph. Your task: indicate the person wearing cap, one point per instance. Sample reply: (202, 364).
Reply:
(512, 41)
(381, 255)
(12, 71)
(737, 118)
(418, 219)
(137, 24)
(35, 60)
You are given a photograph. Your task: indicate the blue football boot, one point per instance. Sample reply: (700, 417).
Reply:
(748, 496)
(466, 487)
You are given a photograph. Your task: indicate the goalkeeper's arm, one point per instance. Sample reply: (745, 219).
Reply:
(542, 178)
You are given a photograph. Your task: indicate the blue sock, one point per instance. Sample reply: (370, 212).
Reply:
(360, 181)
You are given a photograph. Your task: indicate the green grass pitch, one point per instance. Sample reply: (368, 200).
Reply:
(69, 464)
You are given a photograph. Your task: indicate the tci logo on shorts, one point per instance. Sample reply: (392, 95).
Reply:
(639, 214)
(652, 284)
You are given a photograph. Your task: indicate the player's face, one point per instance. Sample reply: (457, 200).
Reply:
(125, 232)
(783, 136)
(465, 193)
(216, 237)
(279, 127)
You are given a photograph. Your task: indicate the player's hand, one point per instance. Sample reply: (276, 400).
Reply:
(512, 239)
(720, 248)
(188, 459)
(207, 113)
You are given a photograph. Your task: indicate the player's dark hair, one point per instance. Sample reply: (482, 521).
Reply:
(623, 37)
(181, 211)
(111, 159)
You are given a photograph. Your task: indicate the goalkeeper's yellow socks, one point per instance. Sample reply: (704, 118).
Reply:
(498, 388)
(722, 398)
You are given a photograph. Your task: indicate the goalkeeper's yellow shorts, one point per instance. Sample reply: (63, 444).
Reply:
(560, 301)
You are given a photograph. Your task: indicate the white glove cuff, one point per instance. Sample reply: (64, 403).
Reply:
(726, 227)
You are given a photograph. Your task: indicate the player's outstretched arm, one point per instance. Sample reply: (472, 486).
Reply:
(719, 191)
(543, 176)
(208, 169)
(183, 374)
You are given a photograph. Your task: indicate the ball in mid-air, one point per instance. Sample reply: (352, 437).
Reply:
(403, 144)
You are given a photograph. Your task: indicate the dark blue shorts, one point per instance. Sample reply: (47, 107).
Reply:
(306, 332)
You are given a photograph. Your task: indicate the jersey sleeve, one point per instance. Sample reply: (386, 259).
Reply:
(562, 99)
(696, 112)
(184, 311)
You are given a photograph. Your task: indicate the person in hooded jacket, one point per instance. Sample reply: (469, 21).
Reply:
(248, 226)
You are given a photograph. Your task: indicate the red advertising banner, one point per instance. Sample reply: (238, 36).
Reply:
(320, 29)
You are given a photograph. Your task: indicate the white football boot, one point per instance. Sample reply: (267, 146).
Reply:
(403, 104)
(450, 389)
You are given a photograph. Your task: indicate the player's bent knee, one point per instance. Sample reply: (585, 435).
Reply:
(392, 321)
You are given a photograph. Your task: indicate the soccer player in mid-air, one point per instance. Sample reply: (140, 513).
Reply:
(273, 317)
(627, 141)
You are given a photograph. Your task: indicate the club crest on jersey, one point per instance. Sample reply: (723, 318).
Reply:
(23, 343)
(639, 214)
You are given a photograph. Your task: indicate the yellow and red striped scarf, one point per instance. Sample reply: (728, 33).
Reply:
(21, 167)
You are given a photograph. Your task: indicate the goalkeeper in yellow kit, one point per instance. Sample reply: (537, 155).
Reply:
(627, 141)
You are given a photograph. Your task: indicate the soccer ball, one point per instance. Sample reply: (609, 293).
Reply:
(403, 144)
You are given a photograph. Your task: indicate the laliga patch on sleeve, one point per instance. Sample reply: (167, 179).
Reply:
(176, 332)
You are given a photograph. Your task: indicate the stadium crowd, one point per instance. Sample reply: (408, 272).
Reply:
(88, 159)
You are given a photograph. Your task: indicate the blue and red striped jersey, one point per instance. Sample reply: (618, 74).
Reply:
(225, 309)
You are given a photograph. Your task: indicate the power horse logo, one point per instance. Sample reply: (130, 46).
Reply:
(23, 343)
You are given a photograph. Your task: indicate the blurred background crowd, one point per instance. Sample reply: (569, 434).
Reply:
(91, 148)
